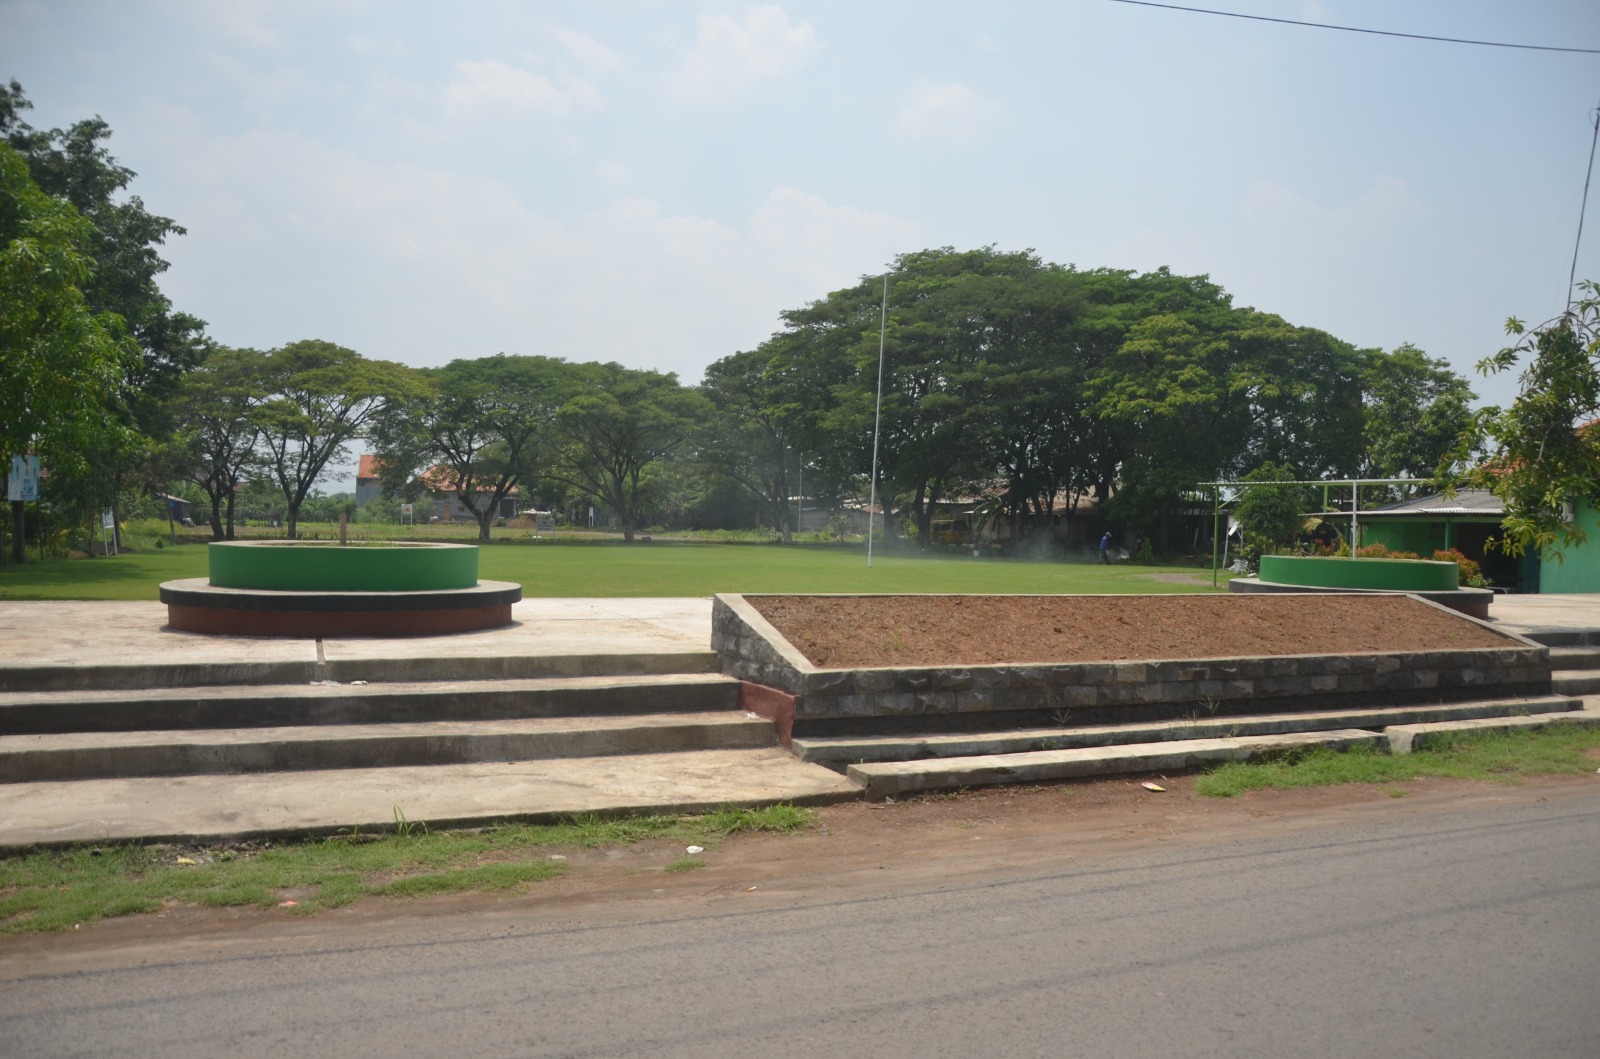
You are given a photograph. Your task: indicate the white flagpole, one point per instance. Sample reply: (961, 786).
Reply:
(877, 419)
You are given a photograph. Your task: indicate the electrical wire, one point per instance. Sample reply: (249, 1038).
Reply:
(1587, 174)
(1358, 29)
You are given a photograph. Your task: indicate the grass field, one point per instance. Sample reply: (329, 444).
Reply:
(608, 568)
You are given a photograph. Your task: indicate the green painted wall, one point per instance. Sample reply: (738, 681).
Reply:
(1397, 575)
(1424, 538)
(1581, 570)
(286, 566)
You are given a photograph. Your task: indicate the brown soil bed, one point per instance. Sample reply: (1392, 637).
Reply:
(841, 632)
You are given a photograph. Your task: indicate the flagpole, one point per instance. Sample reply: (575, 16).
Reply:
(877, 419)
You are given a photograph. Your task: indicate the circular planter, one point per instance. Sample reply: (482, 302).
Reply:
(1387, 575)
(314, 566)
(313, 589)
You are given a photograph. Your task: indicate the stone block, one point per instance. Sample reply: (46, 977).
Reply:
(1130, 672)
(874, 681)
(974, 700)
(950, 679)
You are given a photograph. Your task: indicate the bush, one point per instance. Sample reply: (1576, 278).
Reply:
(1471, 573)
(1379, 551)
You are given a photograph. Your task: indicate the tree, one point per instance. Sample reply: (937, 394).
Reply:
(756, 434)
(488, 423)
(1416, 409)
(1272, 515)
(1544, 450)
(73, 165)
(621, 423)
(319, 397)
(215, 446)
(60, 361)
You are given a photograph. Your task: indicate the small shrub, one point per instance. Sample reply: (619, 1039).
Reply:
(1471, 574)
(1380, 551)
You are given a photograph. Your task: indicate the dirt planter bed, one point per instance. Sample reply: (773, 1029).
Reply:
(857, 665)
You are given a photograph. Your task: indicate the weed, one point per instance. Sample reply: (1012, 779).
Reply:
(687, 862)
(405, 828)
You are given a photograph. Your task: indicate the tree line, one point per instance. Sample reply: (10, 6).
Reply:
(1040, 389)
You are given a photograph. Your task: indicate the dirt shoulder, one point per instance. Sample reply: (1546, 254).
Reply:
(857, 851)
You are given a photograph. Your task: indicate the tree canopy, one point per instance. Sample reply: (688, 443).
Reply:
(1544, 450)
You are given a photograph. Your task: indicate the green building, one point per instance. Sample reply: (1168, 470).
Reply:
(1467, 522)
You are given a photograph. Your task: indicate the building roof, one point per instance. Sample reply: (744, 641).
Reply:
(437, 478)
(1469, 502)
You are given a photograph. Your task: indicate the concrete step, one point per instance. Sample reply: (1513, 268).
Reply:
(302, 670)
(1565, 637)
(284, 804)
(1575, 657)
(842, 751)
(1575, 682)
(106, 755)
(285, 705)
(1404, 738)
(888, 778)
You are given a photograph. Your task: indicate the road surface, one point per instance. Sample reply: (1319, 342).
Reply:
(1469, 933)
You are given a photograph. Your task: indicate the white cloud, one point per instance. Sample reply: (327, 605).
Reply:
(947, 111)
(491, 83)
(730, 56)
(985, 44)
(589, 54)
(392, 258)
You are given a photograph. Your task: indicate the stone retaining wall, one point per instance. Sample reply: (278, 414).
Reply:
(967, 698)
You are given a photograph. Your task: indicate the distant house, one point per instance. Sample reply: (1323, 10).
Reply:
(1466, 522)
(445, 500)
(369, 483)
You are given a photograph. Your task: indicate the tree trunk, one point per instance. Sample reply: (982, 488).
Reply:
(483, 525)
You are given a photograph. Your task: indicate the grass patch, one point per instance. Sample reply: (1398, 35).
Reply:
(583, 568)
(57, 889)
(687, 862)
(1502, 756)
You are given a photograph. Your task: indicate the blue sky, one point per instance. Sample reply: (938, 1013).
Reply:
(653, 183)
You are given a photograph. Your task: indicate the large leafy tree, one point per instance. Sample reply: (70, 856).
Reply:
(1544, 450)
(319, 396)
(487, 424)
(622, 423)
(762, 424)
(123, 243)
(1416, 409)
(218, 430)
(60, 360)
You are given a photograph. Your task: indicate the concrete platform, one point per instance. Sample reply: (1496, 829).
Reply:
(51, 645)
(282, 804)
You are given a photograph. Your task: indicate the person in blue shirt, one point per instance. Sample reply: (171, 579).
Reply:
(1105, 548)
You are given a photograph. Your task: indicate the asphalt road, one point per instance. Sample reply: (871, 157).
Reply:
(1461, 934)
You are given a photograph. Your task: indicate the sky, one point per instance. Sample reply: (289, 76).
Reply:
(654, 183)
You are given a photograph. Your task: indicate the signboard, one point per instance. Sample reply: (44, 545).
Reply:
(23, 481)
(108, 519)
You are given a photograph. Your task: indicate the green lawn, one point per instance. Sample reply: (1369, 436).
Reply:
(606, 568)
